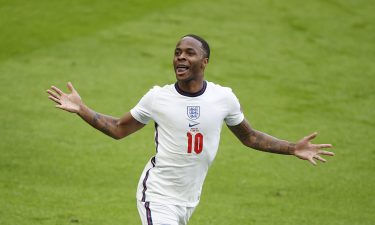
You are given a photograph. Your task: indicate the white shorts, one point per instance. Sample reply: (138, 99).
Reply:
(153, 213)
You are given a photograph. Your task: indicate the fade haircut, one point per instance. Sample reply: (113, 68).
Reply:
(205, 46)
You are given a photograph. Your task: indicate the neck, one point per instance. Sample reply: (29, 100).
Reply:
(191, 86)
(191, 93)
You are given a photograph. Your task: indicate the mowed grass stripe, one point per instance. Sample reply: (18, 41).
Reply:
(27, 26)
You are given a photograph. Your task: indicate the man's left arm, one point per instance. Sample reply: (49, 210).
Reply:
(303, 149)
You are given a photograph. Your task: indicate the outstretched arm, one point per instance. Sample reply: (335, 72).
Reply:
(303, 149)
(114, 127)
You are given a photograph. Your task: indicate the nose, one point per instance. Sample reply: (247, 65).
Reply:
(181, 57)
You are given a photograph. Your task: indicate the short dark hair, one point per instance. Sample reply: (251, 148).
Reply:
(205, 46)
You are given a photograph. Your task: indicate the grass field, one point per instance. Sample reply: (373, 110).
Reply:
(296, 66)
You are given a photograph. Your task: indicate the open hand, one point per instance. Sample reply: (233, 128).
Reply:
(70, 102)
(308, 151)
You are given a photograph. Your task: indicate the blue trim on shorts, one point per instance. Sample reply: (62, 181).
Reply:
(145, 180)
(148, 213)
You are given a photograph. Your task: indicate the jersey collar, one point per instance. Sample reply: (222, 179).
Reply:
(188, 94)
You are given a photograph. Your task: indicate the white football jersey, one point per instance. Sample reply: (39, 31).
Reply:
(187, 135)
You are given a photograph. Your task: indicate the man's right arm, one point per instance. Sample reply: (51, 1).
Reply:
(116, 128)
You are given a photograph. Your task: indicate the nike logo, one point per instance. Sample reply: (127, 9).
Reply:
(192, 125)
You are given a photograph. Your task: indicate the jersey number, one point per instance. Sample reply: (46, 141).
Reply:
(197, 140)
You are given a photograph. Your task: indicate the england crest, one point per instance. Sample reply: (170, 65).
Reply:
(193, 112)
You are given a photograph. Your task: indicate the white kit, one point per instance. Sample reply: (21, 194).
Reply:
(187, 135)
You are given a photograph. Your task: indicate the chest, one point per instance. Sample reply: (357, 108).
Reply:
(181, 113)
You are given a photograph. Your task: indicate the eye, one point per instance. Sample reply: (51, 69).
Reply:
(191, 53)
(177, 52)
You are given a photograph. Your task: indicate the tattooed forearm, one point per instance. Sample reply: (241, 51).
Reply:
(106, 124)
(267, 143)
(261, 141)
(96, 118)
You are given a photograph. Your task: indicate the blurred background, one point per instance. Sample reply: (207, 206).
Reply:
(296, 66)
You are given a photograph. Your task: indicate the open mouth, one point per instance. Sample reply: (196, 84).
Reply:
(181, 68)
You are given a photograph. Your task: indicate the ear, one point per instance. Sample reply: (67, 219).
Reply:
(204, 63)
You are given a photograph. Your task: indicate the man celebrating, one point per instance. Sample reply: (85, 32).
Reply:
(188, 118)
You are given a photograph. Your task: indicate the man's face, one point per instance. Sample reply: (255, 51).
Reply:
(189, 59)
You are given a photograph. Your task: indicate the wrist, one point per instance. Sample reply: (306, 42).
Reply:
(291, 148)
(82, 108)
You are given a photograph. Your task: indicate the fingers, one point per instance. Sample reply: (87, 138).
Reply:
(326, 153)
(311, 160)
(55, 99)
(323, 145)
(58, 91)
(310, 137)
(60, 107)
(70, 86)
(53, 94)
(318, 157)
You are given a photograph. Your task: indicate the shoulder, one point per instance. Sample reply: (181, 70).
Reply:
(155, 90)
(164, 88)
(220, 90)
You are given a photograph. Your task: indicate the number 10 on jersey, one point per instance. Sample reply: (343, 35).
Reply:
(195, 140)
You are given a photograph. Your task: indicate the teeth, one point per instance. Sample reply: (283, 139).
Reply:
(181, 69)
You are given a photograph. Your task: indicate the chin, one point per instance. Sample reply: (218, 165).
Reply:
(183, 77)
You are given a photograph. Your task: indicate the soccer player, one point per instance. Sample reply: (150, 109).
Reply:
(188, 118)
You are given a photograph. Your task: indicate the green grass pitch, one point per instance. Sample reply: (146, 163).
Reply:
(296, 66)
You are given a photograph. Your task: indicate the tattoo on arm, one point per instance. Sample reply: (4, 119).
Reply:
(96, 118)
(104, 123)
(261, 141)
(267, 143)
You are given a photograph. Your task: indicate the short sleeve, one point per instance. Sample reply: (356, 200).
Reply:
(143, 110)
(235, 115)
